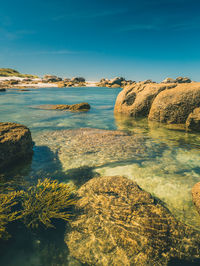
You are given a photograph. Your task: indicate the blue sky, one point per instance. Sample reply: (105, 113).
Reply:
(138, 39)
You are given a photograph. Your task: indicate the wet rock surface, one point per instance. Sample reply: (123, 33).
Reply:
(93, 147)
(117, 223)
(15, 143)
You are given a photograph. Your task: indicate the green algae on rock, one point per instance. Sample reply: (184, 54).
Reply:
(120, 224)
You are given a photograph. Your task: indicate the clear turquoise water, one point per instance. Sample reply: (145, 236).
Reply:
(169, 172)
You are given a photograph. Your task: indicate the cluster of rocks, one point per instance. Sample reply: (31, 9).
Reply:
(177, 80)
(166, 102)
(52, 80)
(117, 82)
(74, 82)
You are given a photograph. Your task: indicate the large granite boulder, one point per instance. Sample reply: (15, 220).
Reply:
(193, 120)
(117, 223)
(15, 144)
(173, 106)
(136, 100)
(196, 196)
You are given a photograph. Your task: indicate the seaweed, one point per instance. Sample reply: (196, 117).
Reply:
(7, 214)
(48, 200)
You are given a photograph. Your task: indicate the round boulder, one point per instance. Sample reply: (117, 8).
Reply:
(120, 224)
(15, 143)
(135, 100)
(173, 106)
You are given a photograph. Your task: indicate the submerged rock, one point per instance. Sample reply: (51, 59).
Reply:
(196, 196)
(15, 143)
(117, 223)
(2, 89)
(93, 147)
(193, 120)
(173, 106)
(136, 99)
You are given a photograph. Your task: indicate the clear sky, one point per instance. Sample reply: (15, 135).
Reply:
(137, 39)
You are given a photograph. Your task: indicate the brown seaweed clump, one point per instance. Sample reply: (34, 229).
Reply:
(120, 224)
(7, 214)
(48, 200)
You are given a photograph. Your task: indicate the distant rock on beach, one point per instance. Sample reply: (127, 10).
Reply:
(117, 82)
(15, 144)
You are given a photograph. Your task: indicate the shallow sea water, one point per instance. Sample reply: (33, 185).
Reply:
(168, 172)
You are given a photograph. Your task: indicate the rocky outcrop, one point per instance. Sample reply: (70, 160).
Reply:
(169, 80)
(177, 80)
(78, 80)
(117, 223)
(67, 107)
(173, 106)
(117, 82)
(183, 80)
(193, 120)
(196, 196)
(135, 100)
(51, 79)
(74, 82)
(15, 143)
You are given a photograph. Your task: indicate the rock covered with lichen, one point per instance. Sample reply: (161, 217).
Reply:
(120, 224)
